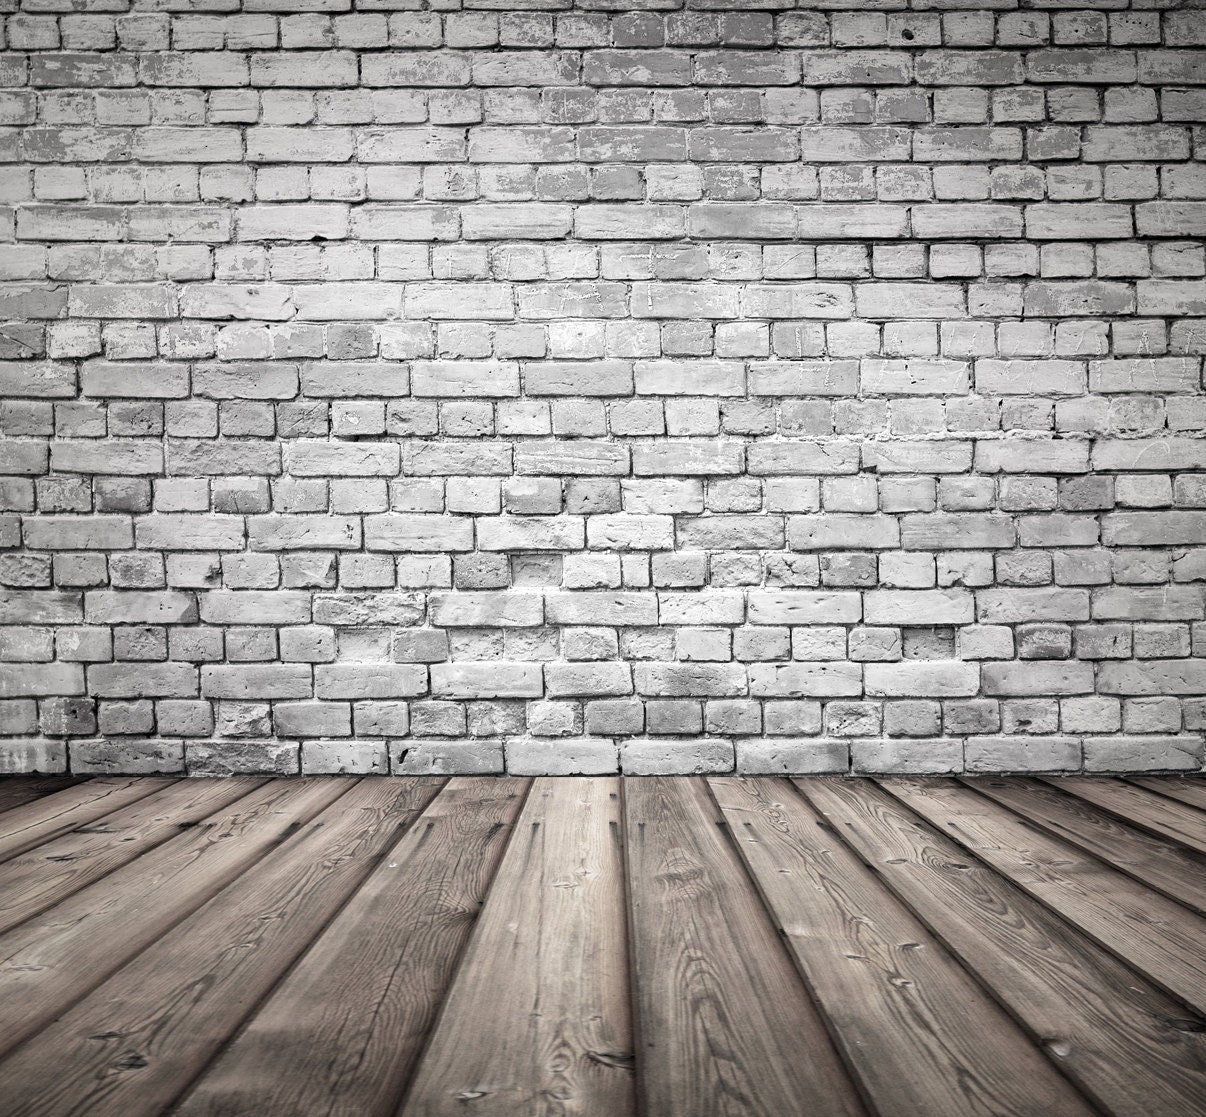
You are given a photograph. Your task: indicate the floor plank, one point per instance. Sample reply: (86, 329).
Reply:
(1162, 817)
(724, 1025)
(1165, 866)
(1156, 936)
(1190, 791)
(136, 1042)
(763, 947)
(48, 873)
(343, 1030)
(54, 959)
(918, 1034)
(551, 948)
(1096, 1019)
(39, 821)
(15, 790)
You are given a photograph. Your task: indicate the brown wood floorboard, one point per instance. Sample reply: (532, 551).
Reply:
(1191, 791)
(602, 947)
(551, 949)
(1178, 873)
(36, 822)
(135, 1044)
(1156, 936)
(1095, 1018)
(15, 790)
(342, 1032)
(1157, 814)
(918, 1033)
(52, 960)
(42, 876)
(725, 1025)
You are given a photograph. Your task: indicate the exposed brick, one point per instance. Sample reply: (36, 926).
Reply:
(601, 391)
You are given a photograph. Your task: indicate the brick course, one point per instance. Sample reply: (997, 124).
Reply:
(425, 387)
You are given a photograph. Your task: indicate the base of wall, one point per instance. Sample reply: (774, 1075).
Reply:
(639, 756)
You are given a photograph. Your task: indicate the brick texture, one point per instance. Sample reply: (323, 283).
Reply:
(440, 387)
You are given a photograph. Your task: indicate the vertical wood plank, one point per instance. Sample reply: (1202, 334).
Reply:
(135, 1043)
(538, 1019)
(919, 1035)
(725, 1024)
(342, 1031)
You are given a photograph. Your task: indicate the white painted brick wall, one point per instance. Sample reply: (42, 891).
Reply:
(677, 389)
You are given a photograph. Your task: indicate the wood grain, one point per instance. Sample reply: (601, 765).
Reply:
(809, 947)
(1168, 868)
(1160, 816)
(50, 872)
(1096, 1019)
(554, 1033)
(39, 821)
(725, 1025)
(1191, 791)
(135, 1043)
(919, 1035)
(342, 1031)
(54, 959)
(1154, 935)
(15, 790)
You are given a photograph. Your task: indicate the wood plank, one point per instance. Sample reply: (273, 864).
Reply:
(724, 1024)
(551, 948)
(49, 873)
(1168, 868)
(1153, 935)
(1156, 815)
(1095, 1018)
(135, 1043)
(15, 790)
(39, 821)
(342, 1031)
(919, 1035)
(54, 959)
(1188, 790)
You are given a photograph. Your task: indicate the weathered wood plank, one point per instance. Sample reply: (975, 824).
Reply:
(1191, 791)
(15, 790)
(54, 959)
(919, 1035)
(1152, 813)
(1155, 936)
(36, 822)
(136, 1042)
(49, 873)
(550, 947)
(1162, 865)
(725, 1026)
(1129, 1046)
(343, 1030)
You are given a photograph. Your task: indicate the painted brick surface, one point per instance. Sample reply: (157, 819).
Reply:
(576, 387)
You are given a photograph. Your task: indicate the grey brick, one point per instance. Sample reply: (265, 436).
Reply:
(488, 376)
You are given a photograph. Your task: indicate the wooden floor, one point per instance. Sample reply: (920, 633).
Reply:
(672, 947)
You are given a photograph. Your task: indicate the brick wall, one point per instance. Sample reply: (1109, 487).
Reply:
(780, 389)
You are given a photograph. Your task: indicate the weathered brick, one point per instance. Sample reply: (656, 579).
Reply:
(486, 680)
(604, 362)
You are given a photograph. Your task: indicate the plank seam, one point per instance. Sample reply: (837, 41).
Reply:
(254, 1009)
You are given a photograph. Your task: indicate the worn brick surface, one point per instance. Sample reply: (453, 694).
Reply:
(431, 386)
